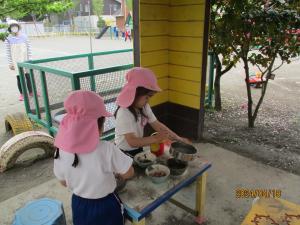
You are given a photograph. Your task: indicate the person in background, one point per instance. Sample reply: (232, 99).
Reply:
(18, 49)
(127, 32)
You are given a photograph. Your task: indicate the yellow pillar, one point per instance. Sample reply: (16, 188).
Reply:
(141, 222)
(200, 194)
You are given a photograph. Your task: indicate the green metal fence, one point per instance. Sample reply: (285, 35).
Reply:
(210, 82)
(53, 78)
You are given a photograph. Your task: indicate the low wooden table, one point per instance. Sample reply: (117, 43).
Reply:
(141, 196)
(273, 211)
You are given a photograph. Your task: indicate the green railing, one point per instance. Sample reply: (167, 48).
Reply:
(53, 78)
(210, 86)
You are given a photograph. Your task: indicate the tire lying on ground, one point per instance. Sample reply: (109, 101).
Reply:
(18, 123)
(20, 143)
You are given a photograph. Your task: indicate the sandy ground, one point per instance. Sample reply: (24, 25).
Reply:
(275, 138)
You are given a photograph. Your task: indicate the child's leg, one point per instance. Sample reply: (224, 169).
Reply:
(19, 84)
(29, 87)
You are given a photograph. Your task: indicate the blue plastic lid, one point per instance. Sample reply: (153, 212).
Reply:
(40, 212)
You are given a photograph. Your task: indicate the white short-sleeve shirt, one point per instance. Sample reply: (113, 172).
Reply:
(93, 177)
(126, 123)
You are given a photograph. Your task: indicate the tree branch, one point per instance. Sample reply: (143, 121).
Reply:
(227, 68)
(259, 68)
(278, 66)
(16, 8)
(234, 49)
(264, 89)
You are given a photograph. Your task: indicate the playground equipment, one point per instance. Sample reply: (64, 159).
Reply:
(20, 143)
(17, 123)
(104, 29)
(54, 78)
(110, 22)
(256, 79)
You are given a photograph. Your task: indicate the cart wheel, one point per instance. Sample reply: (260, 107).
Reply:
(18, 123)
(20, 143)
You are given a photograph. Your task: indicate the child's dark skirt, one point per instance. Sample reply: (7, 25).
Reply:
(103, 211)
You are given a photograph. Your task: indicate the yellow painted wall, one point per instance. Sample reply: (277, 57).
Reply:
(171, 44)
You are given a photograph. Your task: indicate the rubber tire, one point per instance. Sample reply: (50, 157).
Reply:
(20, 143)
(18, 123)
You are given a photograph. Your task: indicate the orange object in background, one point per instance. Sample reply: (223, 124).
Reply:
(258, 74)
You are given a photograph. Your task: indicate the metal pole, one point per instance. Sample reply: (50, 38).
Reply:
(211, 77)
(90, 23)
(90, 57)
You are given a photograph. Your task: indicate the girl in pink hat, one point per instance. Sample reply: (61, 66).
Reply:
(134, 113)
(86, 165)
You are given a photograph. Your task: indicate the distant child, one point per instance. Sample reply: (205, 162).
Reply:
(87, 165)
(18, 49)
(134, 113)
(127, 32)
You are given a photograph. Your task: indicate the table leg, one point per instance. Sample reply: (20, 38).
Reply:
(141, 222)
(200, 197)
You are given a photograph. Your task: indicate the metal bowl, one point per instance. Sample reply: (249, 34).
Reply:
(153, 173)
(183, 151)
(177, 167)
(144, 159)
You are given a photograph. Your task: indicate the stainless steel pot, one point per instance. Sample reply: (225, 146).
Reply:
(183, 151)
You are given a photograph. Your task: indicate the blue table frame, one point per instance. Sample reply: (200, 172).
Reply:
(197, 172)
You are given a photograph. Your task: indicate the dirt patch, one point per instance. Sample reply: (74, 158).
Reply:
(274, 140)
(24, 177)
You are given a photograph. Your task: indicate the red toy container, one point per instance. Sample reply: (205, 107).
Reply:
(157, 148)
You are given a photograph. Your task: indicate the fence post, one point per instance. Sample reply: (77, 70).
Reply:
(91, 67)
(211, 78)
(35, 94)
(75, 83)
(24, 89)
(46, 102)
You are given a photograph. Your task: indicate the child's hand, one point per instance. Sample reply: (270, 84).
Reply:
(11, 67)
(161, 136)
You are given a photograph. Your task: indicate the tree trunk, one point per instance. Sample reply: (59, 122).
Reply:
(264, 88)
(71, 18)
(249, 95)
(217, 89)
(34, 22)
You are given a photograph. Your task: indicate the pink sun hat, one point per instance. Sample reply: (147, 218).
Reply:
(78, 131)
(136, 77)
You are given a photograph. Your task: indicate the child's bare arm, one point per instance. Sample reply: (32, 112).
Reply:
(28, 46)
(160, 127)
(8, 54)
(128, 174)
(63, 183)
(137, 142)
